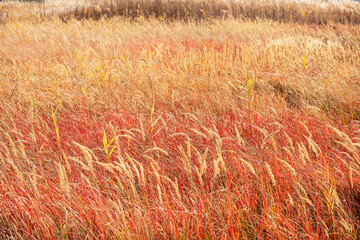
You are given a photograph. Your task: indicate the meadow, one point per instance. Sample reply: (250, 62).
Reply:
(152, 127)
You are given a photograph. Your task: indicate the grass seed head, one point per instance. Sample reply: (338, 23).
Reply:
(271, 175)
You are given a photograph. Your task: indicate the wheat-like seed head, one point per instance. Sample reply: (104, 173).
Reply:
(83, 165)
(185, 160)
(64, 183)
(269, 136)
(271, 175)
(108, 166)
(12, 145)
(289, 152)
(23, 152)
(342, 160)
(155, 171)
(351, 177)
(159, 193)
(314, 147)
(346, 142)
(302, 190)
(304, 155)
(175, 185)
(188, 147)
(288, 166)
(197, 132)
(239, 139)
(248, 166)
(262, 130)
(216, 168)
(308, 201)
(306, 128)
(66, 161)
(143, 179)
(33, 180)
(198, 173)
(203, 164)
(6, 149)
(291, 201)
(220, 157)
(133, 161)
(2, 159)
(87, 154)
(86, 179)
(208, 131)
(197, 153)
(290, 141)
(158, 150)
(129, 172)
(137, 172)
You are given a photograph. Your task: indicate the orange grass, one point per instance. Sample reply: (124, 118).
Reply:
(230, 129)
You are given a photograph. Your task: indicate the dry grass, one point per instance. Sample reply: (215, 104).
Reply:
(316, 11)
(234, 129)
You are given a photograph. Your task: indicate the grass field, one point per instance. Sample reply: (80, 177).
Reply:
(142, 128)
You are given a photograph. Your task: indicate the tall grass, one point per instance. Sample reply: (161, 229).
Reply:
(318, 12)
(149, 130)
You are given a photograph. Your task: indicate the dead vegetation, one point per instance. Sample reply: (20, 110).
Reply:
(315, 12)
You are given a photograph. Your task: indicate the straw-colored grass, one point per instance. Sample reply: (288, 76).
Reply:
(236, 129)
(314, 11)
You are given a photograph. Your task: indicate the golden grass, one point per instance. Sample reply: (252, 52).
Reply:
(99, 58)
(146, 130)
(318, 12)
